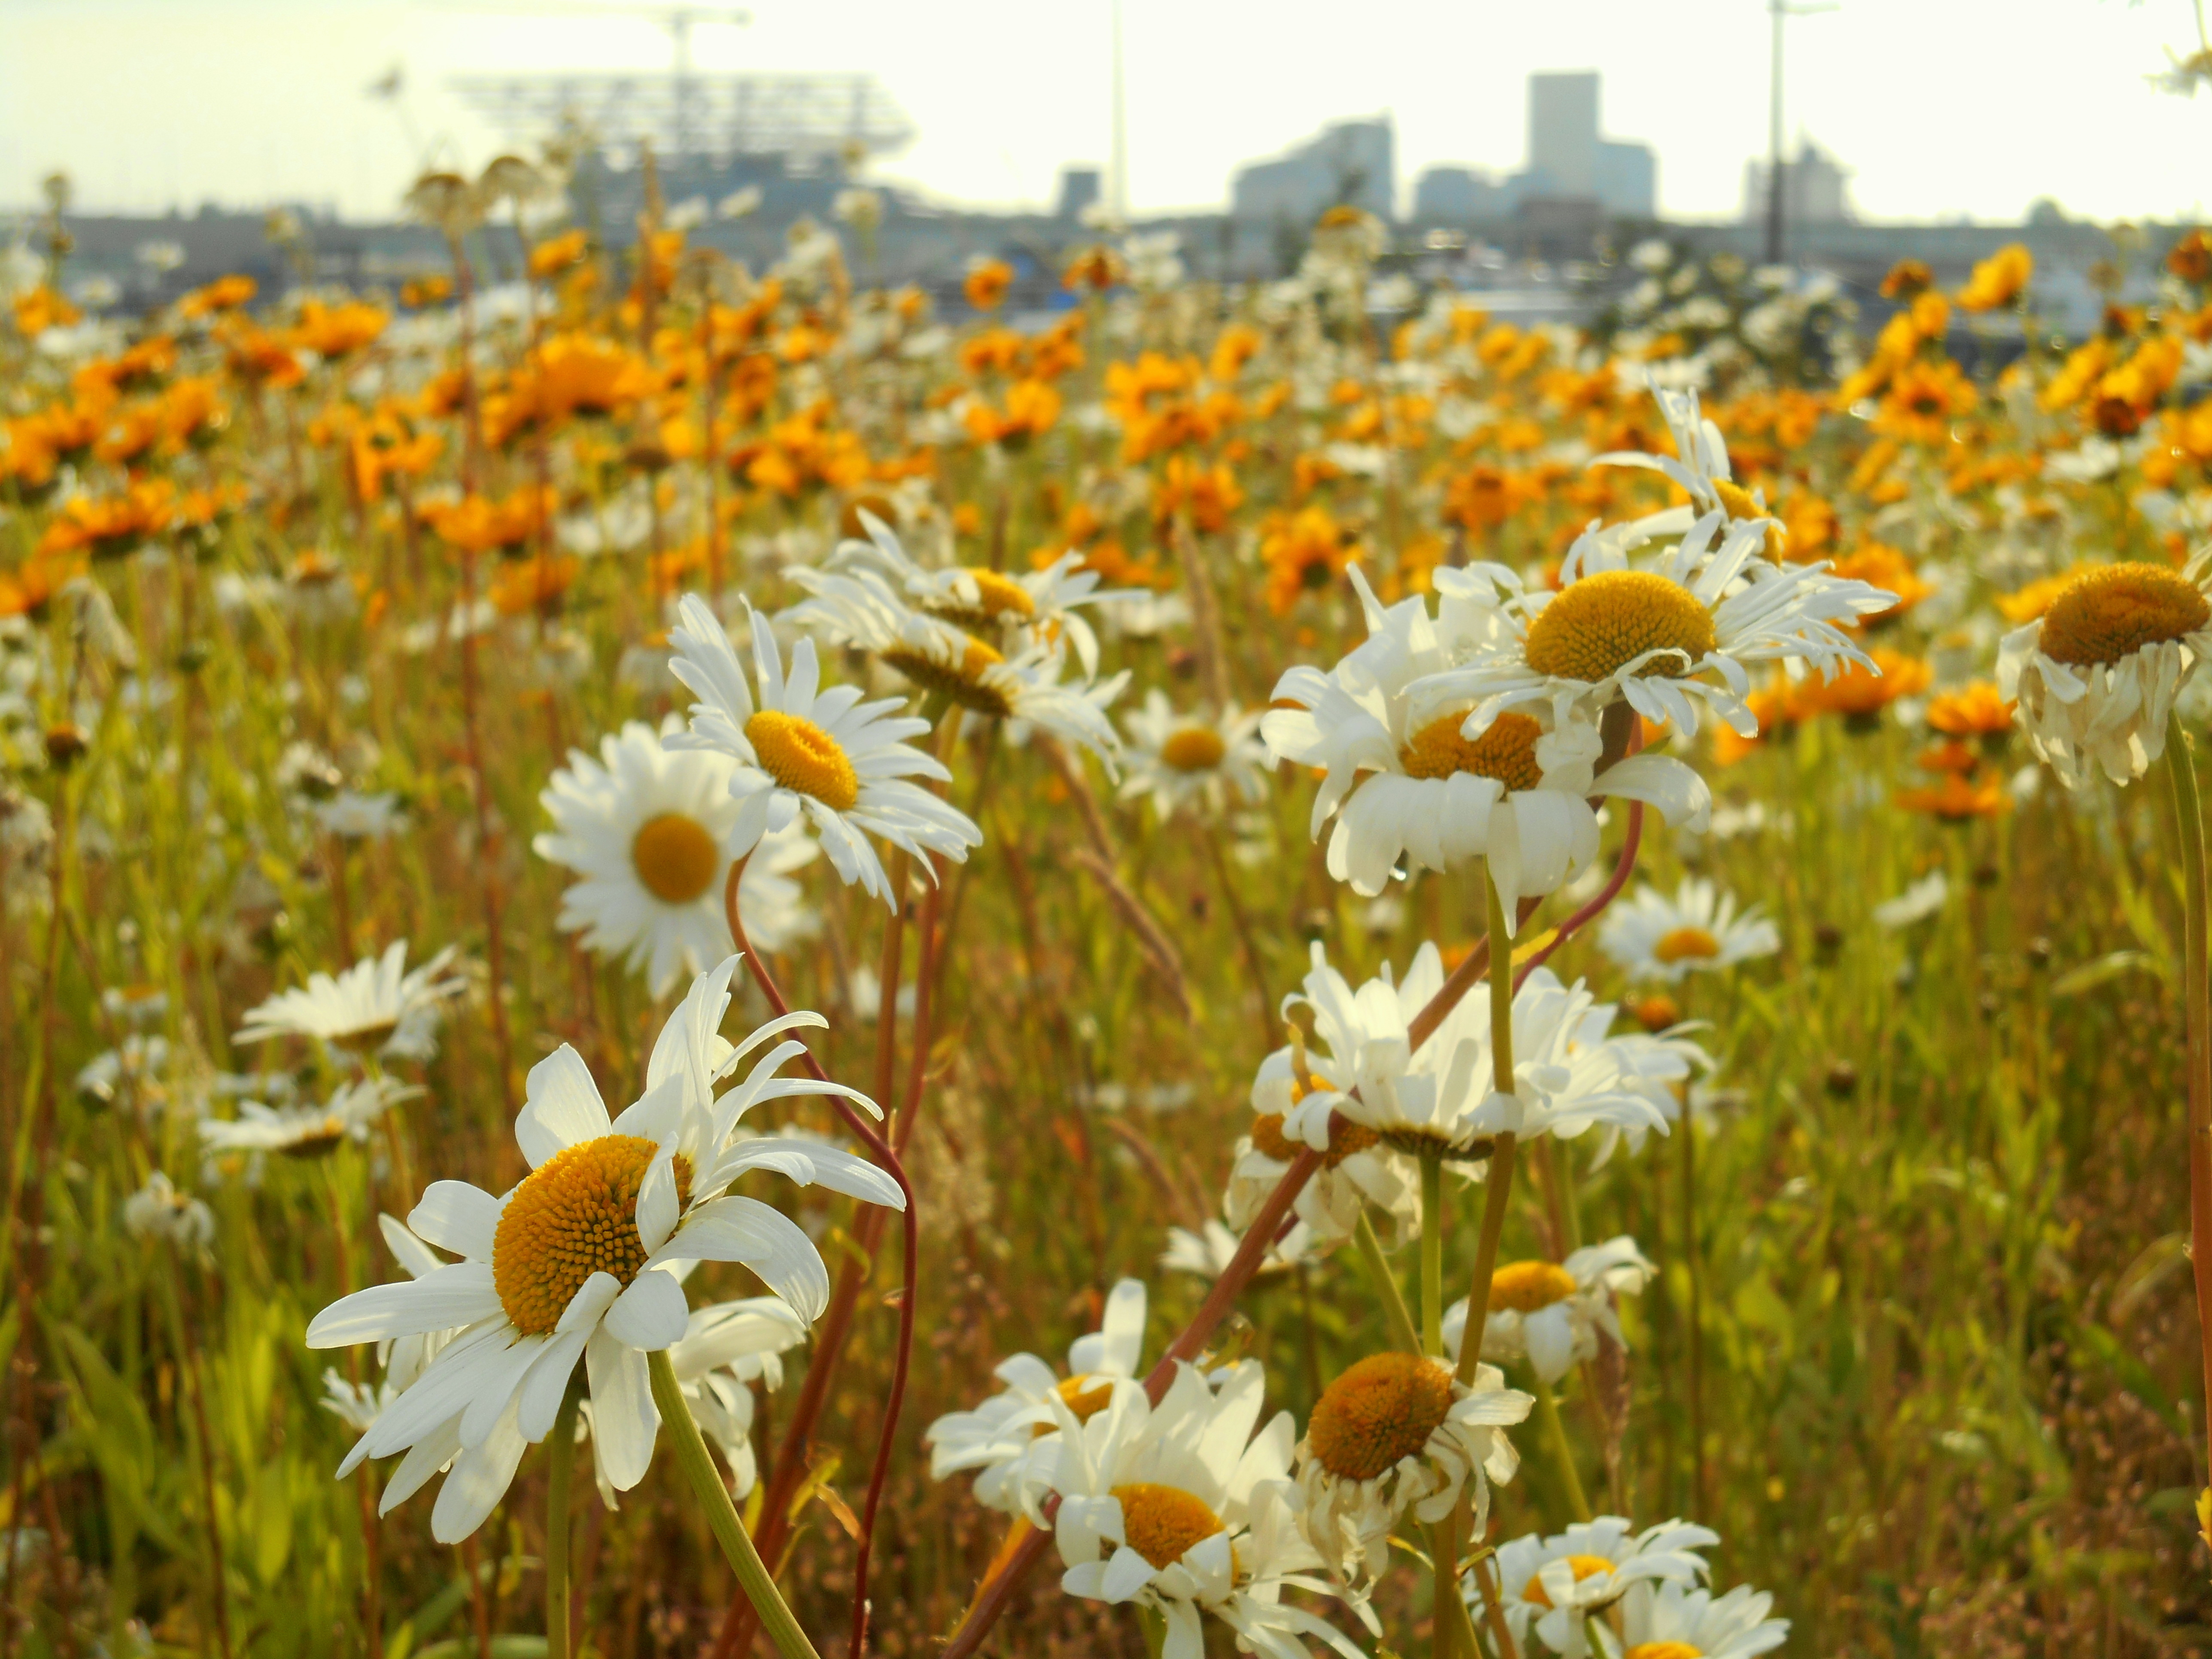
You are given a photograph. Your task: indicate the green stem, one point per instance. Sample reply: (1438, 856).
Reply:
(2181, 775)
(698, 1466)
(1497, 1185)
(1396, 1314)
(1547, 1412)
(1433, 1254)
(561, 1464)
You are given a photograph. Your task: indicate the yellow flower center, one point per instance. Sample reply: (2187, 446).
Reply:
(803, 758)
(2110, 613)
(1525, 1286)
(1585, 1566)
(1382, 1410)
(1345, 1138)
(1664, 1650)
(1507, 751)
(574, 1215)
(1086, 1403)
(1193, 748)
(961, 680)
(1684, 943)
(1001, 594)
(1161, 1522)
(674, 857)
(1595, 628)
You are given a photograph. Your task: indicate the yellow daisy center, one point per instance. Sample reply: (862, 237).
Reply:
(366, 1039)
(1586, 1566)
(1086, 1403)
(2110, 613)
(1161, 1522)
(574, 1215)
(1685, 943)
(674, 857)
(1525, 1286)
(803, 758)
(1382, 1410)
(962, 680)
(1507, 751)
(1193, 748)
(1345, 1138)
(1664, 1650)
(1001, 594)
(1595, 628)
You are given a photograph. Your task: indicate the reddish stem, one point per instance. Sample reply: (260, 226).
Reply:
(1606, 894)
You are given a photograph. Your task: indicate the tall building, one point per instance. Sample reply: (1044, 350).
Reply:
(1349, 161)
(1458, 196)
(1815, 189)
(1563, 140)
(1569, 162)
(1078, 189)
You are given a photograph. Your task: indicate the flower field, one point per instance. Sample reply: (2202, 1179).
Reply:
(697, 960)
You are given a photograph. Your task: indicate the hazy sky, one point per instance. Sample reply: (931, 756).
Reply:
(1939, 106)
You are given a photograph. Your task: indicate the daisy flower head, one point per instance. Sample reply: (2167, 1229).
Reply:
(2096, 674)
(1549, 1313)
(1399, 1431)
(1207, 1253)
(1671, 1619)
(1405, 778)
(843, 763)
(1201, 761)
(1553, 1586)
(1698, 930)
(1041, 607)
(578, 1261)
(858, 608)
(375, 1006)
(1699, 467)
(1181, 1508)
(160, 1210)
(647, 828)
(1357, 1166)
(1679, 629)
(1006, 1439)
(305, 1131)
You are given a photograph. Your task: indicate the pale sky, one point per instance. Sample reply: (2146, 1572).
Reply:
(1939, 106)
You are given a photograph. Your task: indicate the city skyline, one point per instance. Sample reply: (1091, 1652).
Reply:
(245, 101)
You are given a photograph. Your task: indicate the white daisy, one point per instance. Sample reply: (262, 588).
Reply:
(305, 1131)
(843, 762)
(1399, 1431)
(858, 608)
(1207, 1253)
(1554, 1585)
(375, 1005)
(158, 1210)
(353, 817)
(1177, 1508)
(1699, 464)
(1359, 1168)
(575, 1262)
(1410, 783)
(1652, 936)
(1674, 1621)
(1007, 1438)
(1205, 760)
(647, 828)
(1550, 1313)
(2096, 674)
(1682, 628)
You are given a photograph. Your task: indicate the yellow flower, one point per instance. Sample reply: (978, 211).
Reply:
(1998, 280)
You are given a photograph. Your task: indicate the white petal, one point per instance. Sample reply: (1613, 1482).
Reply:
(455, 1216)
(623, 1418)
(650, 1314)
(564, 1108)
(454, 1296)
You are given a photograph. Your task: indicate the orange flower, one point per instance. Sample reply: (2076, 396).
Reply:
(425, 291)
(1906, 280)
(191, 413)
(1305, 552)
(1859, 695)
(338, 331)
(556, 253)
(568, 375)
(479, 524)
(1236, 346)
(1956, 800)
(1998, 280)
(224, 294)
(2190, 259)
(1976, 709)
(1809, 524)
(1031, 408)
(1923, 401)
(40, 309)
(987, 284)
(1208, 495)
(31, 585)
(1951, 755)
(387, 445)
(2032, 600)
(1484, 497)
(1886, 567)
(113, 526)
(533, 586)
(1096, 268)
(260, 357)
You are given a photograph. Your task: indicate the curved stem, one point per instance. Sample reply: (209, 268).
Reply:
(2181, 775)
(1555, 1430)
(1433, 1254)
(698, 1466)
(560, 1470)
(1395, 1315)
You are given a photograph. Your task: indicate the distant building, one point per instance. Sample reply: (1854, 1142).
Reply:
(1350, 161)
(1569, 161)
(1627, 179)
(1078, 189)
(1455, 195)
(1563, 134)
(1815, 189)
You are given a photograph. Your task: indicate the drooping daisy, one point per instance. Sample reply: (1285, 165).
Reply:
(1409, 783)
(1205, 759)
(1040, 606)
(843, 762)
(305, 1131)
(1006, 1438)
(158, 1210)
(647, 827)
(1652, 936)
(1399, 1431)
(1359, 1168)
(1437, 1100)
(353, 817)
(2096, 674)
(858, 608)
(1699, 466)
(1207, 1253)
(1180, 1508)
(374, 1006)
(574, 1263)
(1550, 1313)
(1683, 628)
(1675, 1621)
(1554, 1585)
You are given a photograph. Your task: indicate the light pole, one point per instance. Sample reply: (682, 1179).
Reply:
(1779, 9)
